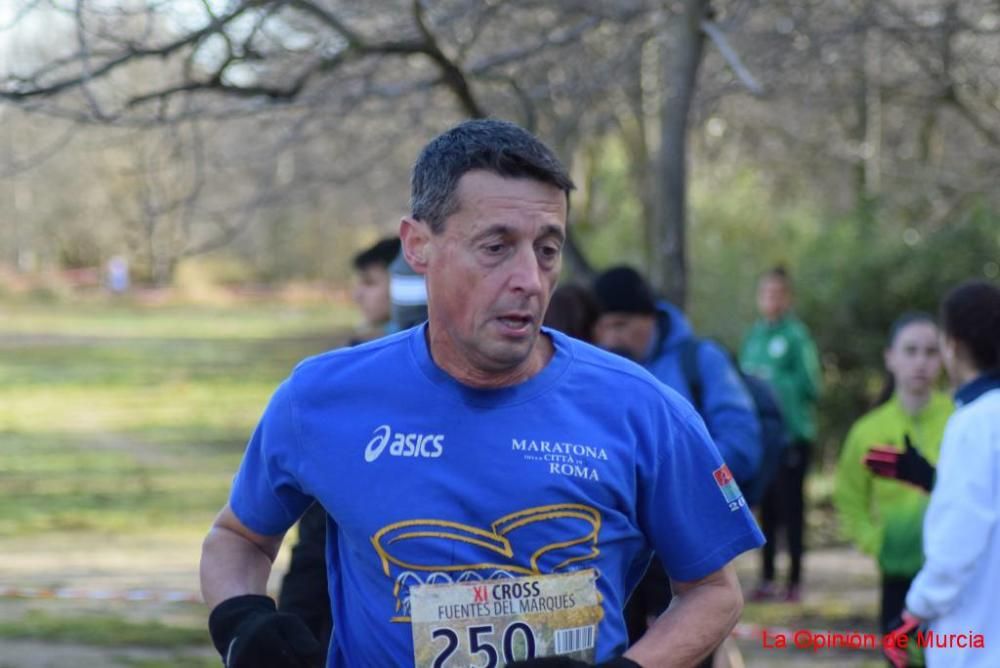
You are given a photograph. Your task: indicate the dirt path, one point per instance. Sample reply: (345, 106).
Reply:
(158, 563)
(33, 654)
(840, 594)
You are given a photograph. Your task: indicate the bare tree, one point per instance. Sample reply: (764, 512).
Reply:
(144, 65)
(269, 106)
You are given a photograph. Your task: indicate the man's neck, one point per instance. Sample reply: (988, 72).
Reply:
(471, 374)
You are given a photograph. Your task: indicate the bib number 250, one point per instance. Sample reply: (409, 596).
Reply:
(480, 642)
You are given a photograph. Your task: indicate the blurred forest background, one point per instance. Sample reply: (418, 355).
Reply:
(237, 153)
(251, 143)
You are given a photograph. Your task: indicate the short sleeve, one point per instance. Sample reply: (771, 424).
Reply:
(689, 507)
(266, 495)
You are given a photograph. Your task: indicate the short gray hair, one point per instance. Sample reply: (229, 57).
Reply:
(496, 146)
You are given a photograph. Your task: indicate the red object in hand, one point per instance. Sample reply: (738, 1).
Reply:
(881, 460)
(907, 466)
(904, 625)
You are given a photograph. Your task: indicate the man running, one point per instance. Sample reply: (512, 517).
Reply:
(495, 490)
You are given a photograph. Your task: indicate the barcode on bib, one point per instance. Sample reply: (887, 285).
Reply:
(574, 640)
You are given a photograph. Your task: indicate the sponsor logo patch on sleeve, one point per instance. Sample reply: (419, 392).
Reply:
(727, 485)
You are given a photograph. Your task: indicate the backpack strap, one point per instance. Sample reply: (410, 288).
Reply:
(692, 370)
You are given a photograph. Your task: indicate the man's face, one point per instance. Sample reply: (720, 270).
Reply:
(490, 271)
(773, 298)
(625, 333)
(371, 294)
(914, 359)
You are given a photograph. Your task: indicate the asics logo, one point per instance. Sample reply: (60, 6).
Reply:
(403, 445)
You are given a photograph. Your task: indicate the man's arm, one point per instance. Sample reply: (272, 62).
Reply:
(234, 559)
(245, 626)
(701, 616)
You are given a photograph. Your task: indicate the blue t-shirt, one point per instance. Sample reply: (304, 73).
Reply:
(591, 463)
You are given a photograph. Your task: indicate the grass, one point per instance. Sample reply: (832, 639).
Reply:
(121, 420)
(103, 630)
(133, 320)
(112, 416)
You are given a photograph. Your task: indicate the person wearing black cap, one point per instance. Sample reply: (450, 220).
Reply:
(655, 334)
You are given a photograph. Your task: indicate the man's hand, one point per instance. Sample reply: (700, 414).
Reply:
(904, 625)
(249, 632)
(565, 662)
(907, 466)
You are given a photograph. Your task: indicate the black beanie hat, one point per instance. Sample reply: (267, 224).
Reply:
(622, 289)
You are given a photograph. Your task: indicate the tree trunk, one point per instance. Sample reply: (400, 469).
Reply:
(668, 272)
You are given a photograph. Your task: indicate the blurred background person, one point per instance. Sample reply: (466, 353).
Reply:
(370, 290)
(779, 349)
(955, 592)
(390, 300)
(883, 516)
(573, 309)
(117, 275)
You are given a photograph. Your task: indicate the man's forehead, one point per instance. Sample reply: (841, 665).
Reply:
(484, 188)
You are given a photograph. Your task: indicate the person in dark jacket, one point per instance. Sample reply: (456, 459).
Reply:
(654, 334)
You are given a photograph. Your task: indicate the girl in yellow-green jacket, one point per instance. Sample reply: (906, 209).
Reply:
(884, 516)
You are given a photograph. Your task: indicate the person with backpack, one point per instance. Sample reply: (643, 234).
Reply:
(773, 437)
(883, 516)
(655, 334)
(779, 349)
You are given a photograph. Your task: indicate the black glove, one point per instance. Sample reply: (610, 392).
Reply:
(895, 652)
(249, 632)
(565, 662)
(907, 466)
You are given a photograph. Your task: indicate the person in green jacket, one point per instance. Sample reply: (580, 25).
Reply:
(779, 349)
(884, 516)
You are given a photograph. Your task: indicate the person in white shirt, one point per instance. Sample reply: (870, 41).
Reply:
(953, 598)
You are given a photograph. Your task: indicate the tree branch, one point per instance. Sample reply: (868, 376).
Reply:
(130, 54)
(732, 58)
(452, 75)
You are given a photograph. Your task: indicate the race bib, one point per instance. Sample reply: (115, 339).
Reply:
(490, 623)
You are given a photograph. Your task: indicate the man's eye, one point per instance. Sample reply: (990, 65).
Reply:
(493, 248)
(549, 251)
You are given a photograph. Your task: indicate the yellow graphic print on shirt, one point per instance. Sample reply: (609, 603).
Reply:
(537, 540)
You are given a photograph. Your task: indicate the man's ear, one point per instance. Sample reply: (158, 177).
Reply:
(415, 236)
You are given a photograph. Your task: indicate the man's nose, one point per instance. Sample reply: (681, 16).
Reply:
(526, 273)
